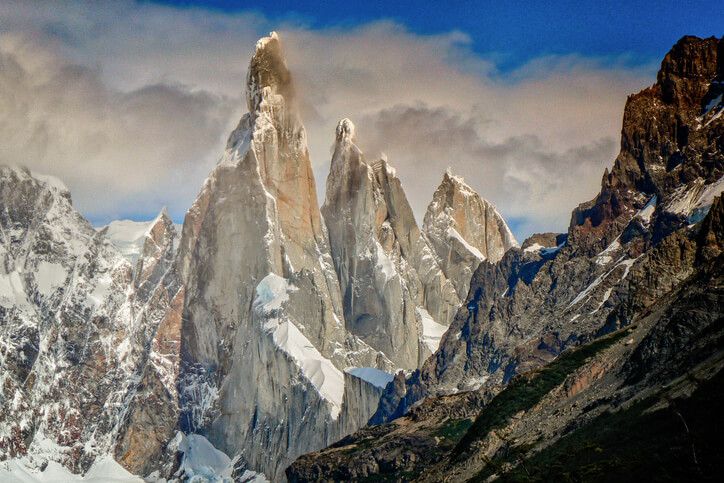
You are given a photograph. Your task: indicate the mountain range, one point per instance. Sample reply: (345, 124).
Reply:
(270, 338)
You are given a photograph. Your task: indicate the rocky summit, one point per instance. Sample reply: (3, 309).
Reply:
(270, 339)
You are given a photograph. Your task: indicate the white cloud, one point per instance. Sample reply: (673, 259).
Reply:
(130, 104)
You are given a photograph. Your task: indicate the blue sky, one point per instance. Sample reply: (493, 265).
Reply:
(130, 102)
(515, 32)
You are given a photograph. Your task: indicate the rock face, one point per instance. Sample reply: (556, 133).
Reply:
(671, 147)
(463, 229)
(263, 336)
(395, 296)
(611, 407)
(526, 309)
(73, 331)
(567, 346)
(151, 414)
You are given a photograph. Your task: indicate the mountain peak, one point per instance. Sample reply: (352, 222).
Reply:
(464, 229)
(663, 126)
(268, 73)
(162, 216)
(346, 131)
(15, 174)
(262, 42)
(688, 69)
(451, 181)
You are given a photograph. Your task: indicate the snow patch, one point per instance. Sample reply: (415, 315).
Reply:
(384, 263)
(542, 250)
(535, 247)
(693, 201)
(705, 200)
(605, 257)
(432, 331)
(585, 292)
(12, 290)
(104, 470)
(647, 211)
(372, 375)
(606, 296)
(271, 294)
(545, 251)
(49, 276)
(452, 233)
(201, 461)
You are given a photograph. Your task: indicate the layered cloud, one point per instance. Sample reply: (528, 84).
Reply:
(130, 105)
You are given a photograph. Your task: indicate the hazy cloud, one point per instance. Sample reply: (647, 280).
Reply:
(130, 104)
(119, 152)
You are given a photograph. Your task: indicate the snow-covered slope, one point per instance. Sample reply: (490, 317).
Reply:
(69, 345)
(76, 325)
(129, 236)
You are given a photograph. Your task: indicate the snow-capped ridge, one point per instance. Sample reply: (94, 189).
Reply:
(129, 236)
(49, 182)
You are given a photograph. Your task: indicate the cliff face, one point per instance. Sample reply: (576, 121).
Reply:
(395, 296)
(74, 331)
(671, 147)
(635, 284)
(263, 339)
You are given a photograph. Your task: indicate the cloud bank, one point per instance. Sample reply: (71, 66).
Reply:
(130, 105)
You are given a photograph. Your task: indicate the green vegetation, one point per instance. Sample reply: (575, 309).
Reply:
(681, 442)
(525, 391)
(454, 429)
